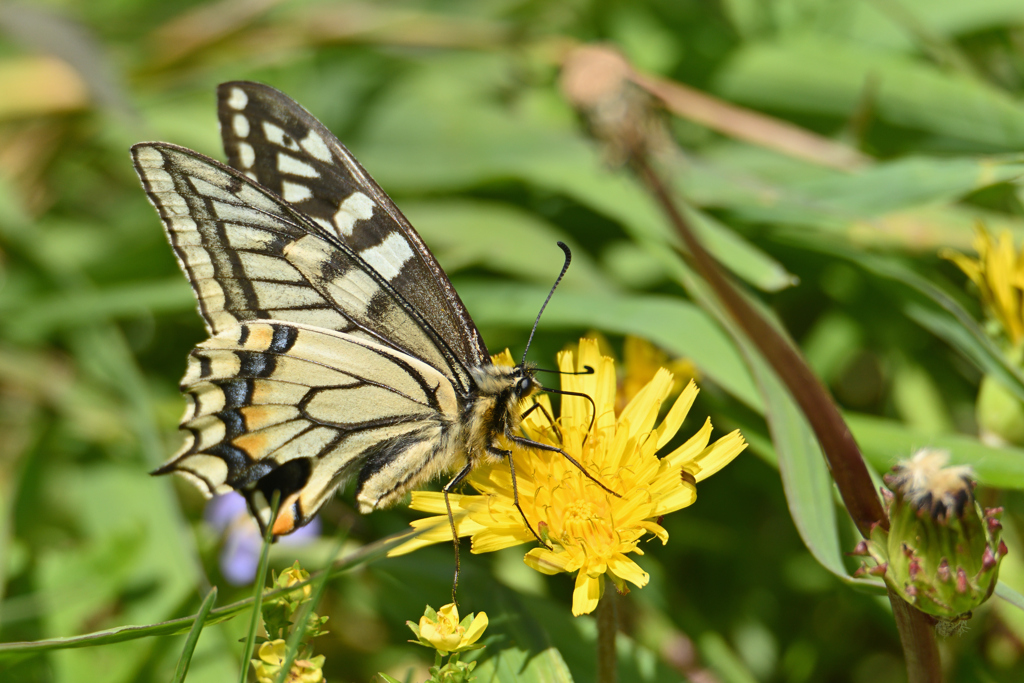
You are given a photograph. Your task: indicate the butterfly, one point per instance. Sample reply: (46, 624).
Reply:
(338, 347)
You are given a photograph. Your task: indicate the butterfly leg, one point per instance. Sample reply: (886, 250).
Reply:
(530, 443)
(456, 480)
(515, 490)
(551, 420)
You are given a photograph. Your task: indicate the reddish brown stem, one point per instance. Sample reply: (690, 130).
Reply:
(815, 401)
(837, 443)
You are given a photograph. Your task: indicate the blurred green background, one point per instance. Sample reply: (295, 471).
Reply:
(909, 119)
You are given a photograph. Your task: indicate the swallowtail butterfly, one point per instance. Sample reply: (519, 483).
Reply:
(338, 348)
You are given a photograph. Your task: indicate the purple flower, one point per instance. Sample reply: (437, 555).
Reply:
(240, 556)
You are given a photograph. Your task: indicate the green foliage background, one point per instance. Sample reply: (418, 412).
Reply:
(455, 109)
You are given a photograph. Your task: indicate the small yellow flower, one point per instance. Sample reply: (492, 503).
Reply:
(442, 630)
(998, 273)
(588, 530)
(271, 658)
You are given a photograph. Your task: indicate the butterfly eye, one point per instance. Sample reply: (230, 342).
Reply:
(524, 386)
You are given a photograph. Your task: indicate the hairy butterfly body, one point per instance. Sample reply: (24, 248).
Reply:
(338, 348)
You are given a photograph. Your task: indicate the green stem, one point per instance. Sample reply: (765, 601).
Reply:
(607, 628)
(259, 587)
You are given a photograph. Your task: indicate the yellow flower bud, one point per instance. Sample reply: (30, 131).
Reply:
(443, 631)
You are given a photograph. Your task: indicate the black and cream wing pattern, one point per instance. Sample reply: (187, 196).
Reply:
(338, 347)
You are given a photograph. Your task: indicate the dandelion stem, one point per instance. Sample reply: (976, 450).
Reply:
(607, 629)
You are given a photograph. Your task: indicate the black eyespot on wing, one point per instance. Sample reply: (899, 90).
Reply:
(288, 478)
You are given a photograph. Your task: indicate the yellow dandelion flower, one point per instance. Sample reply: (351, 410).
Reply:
(998, 273)
(587, 530)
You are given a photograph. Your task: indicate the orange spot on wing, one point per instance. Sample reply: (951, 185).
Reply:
(261, 391)
(285, 522)
(256, 445)
(260, 416)
(260, 337)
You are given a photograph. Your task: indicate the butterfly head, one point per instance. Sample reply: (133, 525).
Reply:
(507, 384)
(526, 383)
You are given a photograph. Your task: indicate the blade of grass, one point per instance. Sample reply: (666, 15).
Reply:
(193, 637)
(261, 580)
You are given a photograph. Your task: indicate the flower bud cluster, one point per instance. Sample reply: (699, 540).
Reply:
(942, 551)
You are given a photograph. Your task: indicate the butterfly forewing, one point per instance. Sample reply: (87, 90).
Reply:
(276, 142)
(250, 256)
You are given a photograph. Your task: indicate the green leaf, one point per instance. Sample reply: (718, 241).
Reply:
(805, 476)
(429, 117)
(939, 313)
(501, 238)
(722, 660)
(514, 665)
(674, 324)
(69, 309)
(814, 75)
(620, 198)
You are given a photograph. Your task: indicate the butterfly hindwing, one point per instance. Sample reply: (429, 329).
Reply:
(276, 405)
(273, 140)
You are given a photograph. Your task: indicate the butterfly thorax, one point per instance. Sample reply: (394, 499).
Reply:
(496, 408)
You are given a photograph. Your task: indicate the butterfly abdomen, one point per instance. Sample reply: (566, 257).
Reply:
(394, 467)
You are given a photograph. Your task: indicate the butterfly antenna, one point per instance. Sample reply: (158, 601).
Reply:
(565, 267)
(587, 370)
